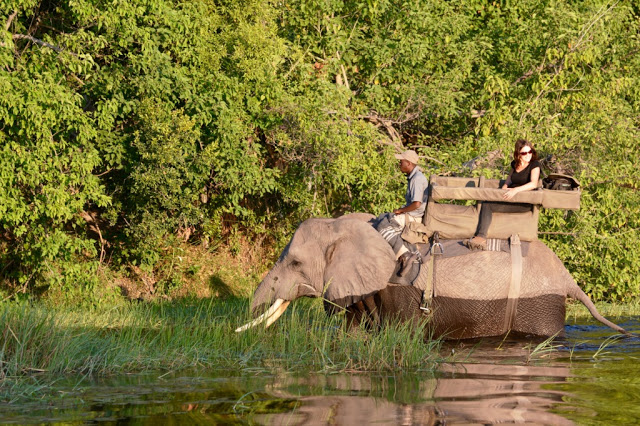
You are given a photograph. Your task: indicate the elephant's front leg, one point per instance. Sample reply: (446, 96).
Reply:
(399, 302)
(365, 311)
(395, 302)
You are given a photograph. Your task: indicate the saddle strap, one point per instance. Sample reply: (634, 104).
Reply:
(516, 281)
(427, 275)
(427, 294)
(424, 281)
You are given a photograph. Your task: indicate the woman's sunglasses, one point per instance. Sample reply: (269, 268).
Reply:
(523, 153)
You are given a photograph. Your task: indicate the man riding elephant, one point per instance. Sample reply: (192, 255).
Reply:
(391, 225)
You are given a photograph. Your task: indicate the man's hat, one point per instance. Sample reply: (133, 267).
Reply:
(409, 155)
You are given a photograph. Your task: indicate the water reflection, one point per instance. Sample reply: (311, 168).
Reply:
(461, 393)
(584, 379)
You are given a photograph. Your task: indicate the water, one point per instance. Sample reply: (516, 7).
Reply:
(585, 378)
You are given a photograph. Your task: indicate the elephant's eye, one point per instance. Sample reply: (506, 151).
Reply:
(295, 264)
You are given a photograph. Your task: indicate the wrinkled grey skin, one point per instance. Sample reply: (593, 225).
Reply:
(347, 262)
(344, 259)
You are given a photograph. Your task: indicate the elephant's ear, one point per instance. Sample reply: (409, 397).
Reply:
(359, 263)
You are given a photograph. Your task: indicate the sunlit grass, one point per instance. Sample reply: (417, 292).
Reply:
(576, 310)
(167, 336)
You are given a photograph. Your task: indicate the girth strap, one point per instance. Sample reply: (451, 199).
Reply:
(516, 281)
(427, 289)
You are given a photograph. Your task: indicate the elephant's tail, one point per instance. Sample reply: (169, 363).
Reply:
(576, 292)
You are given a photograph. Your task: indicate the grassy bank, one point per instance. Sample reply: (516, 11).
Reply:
(613, 311)
(43, 343)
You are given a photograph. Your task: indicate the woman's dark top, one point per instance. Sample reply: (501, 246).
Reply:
(522, 177)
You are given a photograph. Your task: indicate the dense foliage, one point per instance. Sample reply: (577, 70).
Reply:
(127, 126)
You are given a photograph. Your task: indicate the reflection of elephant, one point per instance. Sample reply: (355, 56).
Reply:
(476, 393)
(348, 263)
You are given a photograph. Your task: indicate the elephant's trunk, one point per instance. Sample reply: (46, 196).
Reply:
(264, 296)
(576, 292)
(270, 316)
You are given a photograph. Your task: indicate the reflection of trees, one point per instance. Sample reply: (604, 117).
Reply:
(479, 393)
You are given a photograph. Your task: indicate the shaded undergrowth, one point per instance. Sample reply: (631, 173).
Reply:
(40, 343)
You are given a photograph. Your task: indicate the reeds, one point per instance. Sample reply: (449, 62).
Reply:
(168, 336)
(543, 349)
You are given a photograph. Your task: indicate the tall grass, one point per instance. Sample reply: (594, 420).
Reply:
(168, 336)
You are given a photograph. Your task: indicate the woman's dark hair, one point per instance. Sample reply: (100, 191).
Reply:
(521, 143)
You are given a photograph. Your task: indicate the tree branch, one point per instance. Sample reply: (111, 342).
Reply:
(344, 74)
(529, 73)
(426, 157)
(29, 37)
(296, 63)
(11, 17)
(387, 124)
(37, 41)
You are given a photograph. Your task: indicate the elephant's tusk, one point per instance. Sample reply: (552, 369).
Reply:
(262, 317)
(273, 318)
(277, 304)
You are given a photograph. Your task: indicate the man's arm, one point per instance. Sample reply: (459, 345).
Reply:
(406, 209)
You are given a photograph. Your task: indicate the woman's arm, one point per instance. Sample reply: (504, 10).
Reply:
(532, 184)
(508, 182)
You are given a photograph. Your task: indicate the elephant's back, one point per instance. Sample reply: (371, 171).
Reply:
(474, 295)
(487, 275)
(477, 275)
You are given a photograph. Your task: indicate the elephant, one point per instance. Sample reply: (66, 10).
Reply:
(348, 263)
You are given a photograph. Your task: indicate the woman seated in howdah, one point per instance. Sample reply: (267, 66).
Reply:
(524, 176)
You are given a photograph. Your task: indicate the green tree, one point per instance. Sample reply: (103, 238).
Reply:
(127, 125)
